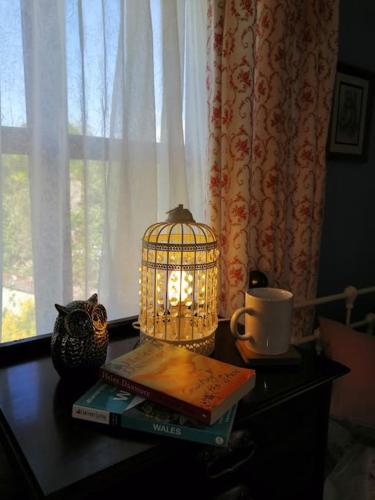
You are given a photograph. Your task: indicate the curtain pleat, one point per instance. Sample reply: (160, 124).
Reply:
(131, 195)
(43, 29)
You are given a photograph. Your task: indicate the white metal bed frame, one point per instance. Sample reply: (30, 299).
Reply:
(349, 294)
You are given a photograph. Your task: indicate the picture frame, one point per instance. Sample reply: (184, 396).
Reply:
(351, 113)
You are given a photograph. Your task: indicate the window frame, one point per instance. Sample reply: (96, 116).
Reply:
(16, 140)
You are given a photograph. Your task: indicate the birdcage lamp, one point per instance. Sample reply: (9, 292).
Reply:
(178, 283)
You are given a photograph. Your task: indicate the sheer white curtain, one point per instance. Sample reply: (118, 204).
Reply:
(103, 129)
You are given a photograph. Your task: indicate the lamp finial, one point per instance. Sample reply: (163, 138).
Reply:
(180, 214)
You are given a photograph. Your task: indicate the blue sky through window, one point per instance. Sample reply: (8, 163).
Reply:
(101, 37)
(12, 81)
(94, 81)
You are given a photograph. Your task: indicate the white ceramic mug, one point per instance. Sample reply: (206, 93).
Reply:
(268, 320)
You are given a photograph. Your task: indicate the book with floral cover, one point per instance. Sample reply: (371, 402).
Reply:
(109, 405)
(187, 382)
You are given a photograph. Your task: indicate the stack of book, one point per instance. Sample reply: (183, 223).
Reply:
(168, 390)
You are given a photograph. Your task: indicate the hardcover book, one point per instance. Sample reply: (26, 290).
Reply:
(187, 382)
(109, 405)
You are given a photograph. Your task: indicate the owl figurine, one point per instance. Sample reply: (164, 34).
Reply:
(80, 337)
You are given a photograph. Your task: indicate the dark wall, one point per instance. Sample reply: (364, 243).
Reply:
(348, 241)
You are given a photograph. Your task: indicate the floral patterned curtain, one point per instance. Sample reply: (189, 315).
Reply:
(271, 69)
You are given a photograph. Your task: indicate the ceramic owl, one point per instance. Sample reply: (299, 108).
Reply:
(80, 337)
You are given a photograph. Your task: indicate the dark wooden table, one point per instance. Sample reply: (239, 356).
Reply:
(285, 415)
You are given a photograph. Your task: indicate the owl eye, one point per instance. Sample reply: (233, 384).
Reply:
(99, 314)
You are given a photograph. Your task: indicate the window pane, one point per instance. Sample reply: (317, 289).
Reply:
(12, 81)
(112, 111)
(18, 319)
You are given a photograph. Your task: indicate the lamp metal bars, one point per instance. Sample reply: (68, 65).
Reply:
(178, 285)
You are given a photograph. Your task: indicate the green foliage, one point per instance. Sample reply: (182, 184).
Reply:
(86, 222)
(19, 325)
(16, 218)
(87, 195)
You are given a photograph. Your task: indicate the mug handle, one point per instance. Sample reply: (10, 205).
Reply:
(234, 321)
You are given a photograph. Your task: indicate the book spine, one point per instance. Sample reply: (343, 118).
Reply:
(91, 414)
(95, 415)
(190, 410)
(162, 428)
(175, 431)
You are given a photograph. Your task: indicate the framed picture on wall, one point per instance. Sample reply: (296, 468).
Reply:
(351, 110)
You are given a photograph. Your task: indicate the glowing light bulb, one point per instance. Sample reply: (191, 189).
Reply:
(177, 291)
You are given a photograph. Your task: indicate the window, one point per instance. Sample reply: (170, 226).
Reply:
(103, 129)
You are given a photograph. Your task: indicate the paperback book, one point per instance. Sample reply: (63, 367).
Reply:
(184, 381)
(109, 405)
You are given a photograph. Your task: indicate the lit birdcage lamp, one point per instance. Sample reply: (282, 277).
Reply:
(178, 293)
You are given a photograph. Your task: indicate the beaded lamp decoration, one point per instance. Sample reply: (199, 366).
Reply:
(178, 294)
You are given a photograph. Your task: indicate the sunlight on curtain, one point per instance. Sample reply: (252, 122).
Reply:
(103, 129)
(270, 77)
